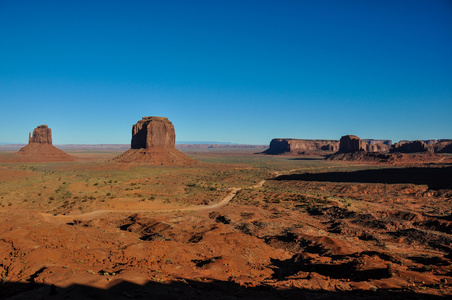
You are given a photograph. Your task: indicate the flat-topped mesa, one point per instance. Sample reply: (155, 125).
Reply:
(351, 143)
(41, 134)
(152, 132)
(410, 147)
(153, 143)
(297, 146)
(443, 146)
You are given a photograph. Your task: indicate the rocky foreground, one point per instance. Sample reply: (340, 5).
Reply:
(292, 236)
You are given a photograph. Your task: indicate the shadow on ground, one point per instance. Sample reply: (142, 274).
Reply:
(189, 289)
(435, 178)
(348, 270)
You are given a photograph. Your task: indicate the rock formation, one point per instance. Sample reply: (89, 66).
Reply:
(351, 143)
(153, 143)
(443, 146)
(297, 146)
(378, 147)
(410, 147)
(301, 146)
(382, 146)
(41, 134)
(153, 132)
(40, 148)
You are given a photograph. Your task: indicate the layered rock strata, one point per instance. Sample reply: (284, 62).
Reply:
(351, 143)
(41, 134)
(153, 143)
(152, 132)
(40, 148)
(410, 147)
(297, 146)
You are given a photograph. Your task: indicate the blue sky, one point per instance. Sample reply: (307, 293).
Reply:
(229, 71)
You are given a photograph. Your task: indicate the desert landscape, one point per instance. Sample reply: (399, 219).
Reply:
(224, 222)
(313, 155)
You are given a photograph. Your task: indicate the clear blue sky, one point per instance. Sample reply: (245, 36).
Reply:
(231, 71)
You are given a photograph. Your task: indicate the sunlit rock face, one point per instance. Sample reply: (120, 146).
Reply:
(41, 134)
(279, 146)
(152, 132)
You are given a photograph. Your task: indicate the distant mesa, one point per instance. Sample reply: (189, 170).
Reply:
(443, 146)
(301, 146)
(377, 145)
(325, 147)
(153, 143)
(40, 148)
(410, 147)
(352, 148)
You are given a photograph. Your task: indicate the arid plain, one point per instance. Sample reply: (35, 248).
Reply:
(234, 224)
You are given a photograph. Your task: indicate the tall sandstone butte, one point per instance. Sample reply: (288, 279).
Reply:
(351, 143)
(41, 134)
(153, 143)
(40, 148)
(153, 132)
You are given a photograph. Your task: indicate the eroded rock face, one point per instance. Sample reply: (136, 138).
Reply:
(152, 132)
(153, 143)
(41, 134)
(410, 147)
(40, 148)
(295, 146)
(443, 146)
(351, 143)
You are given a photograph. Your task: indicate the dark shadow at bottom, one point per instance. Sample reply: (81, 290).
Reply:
(190, 289)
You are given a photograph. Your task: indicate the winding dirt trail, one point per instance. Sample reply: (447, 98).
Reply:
(98, 213)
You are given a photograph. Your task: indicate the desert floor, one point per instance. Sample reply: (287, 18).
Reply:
(235, 225)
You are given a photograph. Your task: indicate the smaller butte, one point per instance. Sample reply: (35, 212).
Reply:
(40, 148)
(153, 143)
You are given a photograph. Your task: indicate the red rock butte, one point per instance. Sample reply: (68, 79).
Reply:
(351, 143)
(41, 134)
(153, 143)
(152, 132)
(40, 148)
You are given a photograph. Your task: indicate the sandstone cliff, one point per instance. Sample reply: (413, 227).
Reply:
(410, 147)
(153, 143)
(41, 134)
(297, 146)
(351, 143)
(443, 146)
(153, 132)
(40, 148)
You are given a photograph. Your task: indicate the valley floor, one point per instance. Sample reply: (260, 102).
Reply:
(235, 225)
